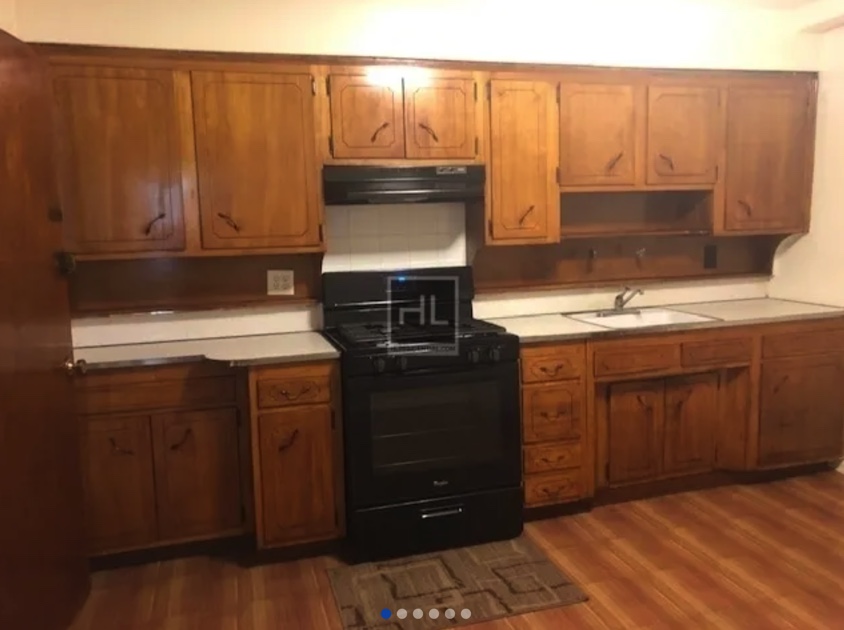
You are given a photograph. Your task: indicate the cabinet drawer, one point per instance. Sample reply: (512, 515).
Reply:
(802, 341)
(553, 363)
(717, 352)
(552, 412)
(545, 457)
(214, 391)
(634, 359)
(557, 487)
(295, 385)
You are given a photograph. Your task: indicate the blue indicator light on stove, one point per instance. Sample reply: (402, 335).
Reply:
(401, 278)
(386, 613)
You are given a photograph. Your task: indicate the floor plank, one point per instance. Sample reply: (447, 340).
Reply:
(766, 556)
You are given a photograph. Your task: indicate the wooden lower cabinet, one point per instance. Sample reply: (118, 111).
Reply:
(297, 446)
(801, 410)
(197, 473)
(297, 474)
(661, 427)
(118, 482)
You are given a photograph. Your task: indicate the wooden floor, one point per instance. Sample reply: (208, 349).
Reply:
(745, 557)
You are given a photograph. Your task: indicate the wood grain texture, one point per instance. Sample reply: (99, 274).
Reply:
(440, 117)
(42, 533)
(660, 563)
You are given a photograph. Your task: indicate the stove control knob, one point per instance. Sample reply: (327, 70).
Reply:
(379, 364)
(474, 356)
(495, 354)
(402, 363)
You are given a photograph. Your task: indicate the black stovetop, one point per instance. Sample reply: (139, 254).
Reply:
(375, 334)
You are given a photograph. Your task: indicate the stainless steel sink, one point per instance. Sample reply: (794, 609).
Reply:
(639, 318)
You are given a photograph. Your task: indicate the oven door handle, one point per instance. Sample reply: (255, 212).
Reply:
(440, 513)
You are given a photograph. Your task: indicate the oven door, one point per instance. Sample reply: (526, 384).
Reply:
(425, 435)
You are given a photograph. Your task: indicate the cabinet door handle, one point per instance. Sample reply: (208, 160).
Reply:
(304, 390)
(667, 159)
(430, 131)
(525, 215)
(678, 408)
(181, 443)
(548, 416)
(119, 450)
(289, 441)
(229, 221)
(781, 382)
(378, 131)
(552, 493)
(614, 162)
(152, 223)
(748, 209)
(556, 460)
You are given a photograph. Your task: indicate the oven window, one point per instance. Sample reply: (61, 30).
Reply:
(434, 428)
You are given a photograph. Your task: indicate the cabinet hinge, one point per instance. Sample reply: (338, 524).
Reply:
(558, 176)
(558, 94)
(328, 85)
(313, 85)
(476, 91)
(489, 225)
(66, 262)
(321, 234)
(331, 144)
(489, 90)
(477, 145)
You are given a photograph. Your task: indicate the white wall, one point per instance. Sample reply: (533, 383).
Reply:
(812, 268)
(8, 15)
(658, 33)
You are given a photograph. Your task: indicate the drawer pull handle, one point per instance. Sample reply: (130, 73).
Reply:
(427, 129)
(119, 450)
(747, 207)
(557, 460)
(547, 416)
(305, 390)
(667, 159)
(551, 371)
(151, 224)
(229, 221)
(289, 441)
(548, 492)
(178, 445)
(525, 215)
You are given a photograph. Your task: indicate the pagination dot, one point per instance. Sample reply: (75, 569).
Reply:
(433, 613)
(417, 614)
(465, 613)
(401, 613)
(450, 614)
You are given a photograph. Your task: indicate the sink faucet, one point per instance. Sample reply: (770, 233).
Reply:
(625, 296)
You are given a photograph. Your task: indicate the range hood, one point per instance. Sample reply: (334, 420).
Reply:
(347, 185)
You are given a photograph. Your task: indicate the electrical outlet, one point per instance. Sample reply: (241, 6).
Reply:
(280, 282)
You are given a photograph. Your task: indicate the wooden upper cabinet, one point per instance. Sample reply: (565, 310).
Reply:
(691, 416)
(118, 482)
(259, 177)
(118, 158)
(635, 417)
(524, 204)
(440, 117)
(598, 127)
(770, 139)
(297, 475)
(367, 114)
(684, 135)
(197, 473)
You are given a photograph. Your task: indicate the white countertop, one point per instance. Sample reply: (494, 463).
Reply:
(537, 328)
(250, 350)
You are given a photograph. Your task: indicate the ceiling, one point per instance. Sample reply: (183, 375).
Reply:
(774, 4)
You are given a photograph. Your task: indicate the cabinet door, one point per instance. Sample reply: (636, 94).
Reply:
(256, 155)
(118, 159)
(802, 410)
(691, 417)
(684, 135)
(440, 117)
(552, 412)
(634, 432)
(769, 144)
(297, 475)
(367, 114)
(597, 134)
(524, 155)
(118, 481)
(197, 473)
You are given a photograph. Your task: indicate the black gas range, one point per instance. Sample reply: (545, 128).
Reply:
(432, 437)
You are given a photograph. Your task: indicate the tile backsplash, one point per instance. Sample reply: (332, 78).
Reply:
(394, 236)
